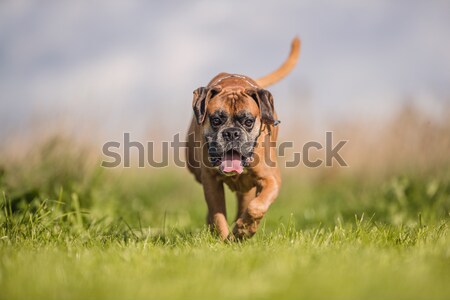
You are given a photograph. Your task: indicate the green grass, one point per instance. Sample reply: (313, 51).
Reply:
(359, 261)
(72, 232)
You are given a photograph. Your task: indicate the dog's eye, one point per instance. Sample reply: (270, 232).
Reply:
(216, 121)
(248, 123)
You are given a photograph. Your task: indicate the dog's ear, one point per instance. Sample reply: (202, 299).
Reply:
(202, 96)
(264, 100)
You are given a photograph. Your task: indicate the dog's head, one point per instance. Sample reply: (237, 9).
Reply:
(231, 120)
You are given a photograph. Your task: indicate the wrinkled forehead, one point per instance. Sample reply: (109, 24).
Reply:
(233, 102)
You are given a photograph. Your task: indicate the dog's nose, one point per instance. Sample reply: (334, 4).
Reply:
(231, 134)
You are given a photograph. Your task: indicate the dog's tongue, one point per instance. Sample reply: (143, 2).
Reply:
(231, 163)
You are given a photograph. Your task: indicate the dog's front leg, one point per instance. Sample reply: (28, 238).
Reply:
(215, 199)
(247, 223)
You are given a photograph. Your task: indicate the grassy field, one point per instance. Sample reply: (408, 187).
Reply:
(70, 231)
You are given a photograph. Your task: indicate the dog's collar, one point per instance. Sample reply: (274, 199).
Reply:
(235, 76)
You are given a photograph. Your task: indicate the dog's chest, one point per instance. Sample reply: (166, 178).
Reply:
(239, 183)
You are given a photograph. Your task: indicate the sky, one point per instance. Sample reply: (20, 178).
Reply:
(130, 66)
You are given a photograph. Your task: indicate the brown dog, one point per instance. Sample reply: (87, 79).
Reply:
(232, 140)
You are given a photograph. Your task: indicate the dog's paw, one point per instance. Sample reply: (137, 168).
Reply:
(245, 227)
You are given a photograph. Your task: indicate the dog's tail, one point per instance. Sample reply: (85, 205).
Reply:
(285, 68)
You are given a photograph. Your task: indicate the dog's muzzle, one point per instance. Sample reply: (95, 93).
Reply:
(232, 160)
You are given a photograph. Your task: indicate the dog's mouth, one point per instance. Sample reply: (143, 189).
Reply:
(232, 162)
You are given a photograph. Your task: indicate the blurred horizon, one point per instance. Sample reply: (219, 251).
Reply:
(105, 68)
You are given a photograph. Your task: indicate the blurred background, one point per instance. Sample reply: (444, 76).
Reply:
(111, 66)
(75, 75)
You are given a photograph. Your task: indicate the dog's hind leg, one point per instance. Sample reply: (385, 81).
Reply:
(243, 199)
